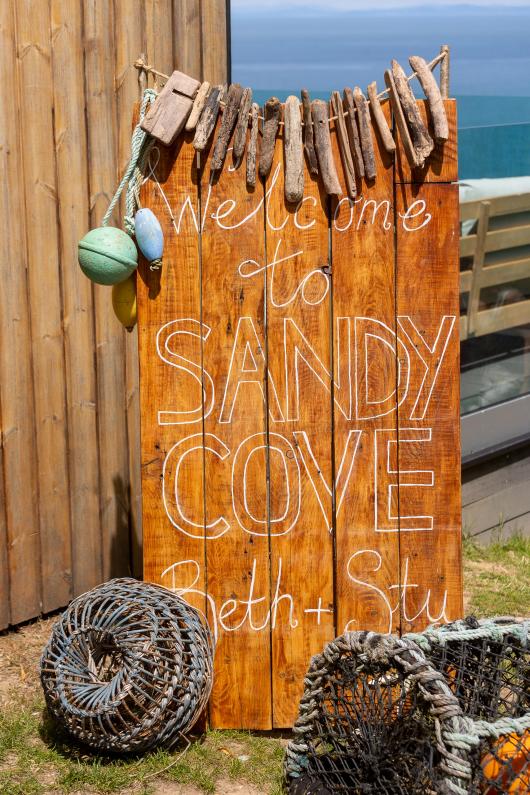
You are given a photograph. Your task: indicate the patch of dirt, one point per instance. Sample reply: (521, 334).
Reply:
(20, 651)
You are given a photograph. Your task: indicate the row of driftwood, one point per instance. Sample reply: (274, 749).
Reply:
(186, 104)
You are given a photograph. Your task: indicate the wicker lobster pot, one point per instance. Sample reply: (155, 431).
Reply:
(128, 667)
(447, 711)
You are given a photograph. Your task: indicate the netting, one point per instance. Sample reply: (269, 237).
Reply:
(445, 711)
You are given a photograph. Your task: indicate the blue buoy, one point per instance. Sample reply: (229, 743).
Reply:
(149, 237)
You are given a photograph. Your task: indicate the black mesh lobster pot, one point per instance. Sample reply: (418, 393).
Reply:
(446, 711)
(128, 667)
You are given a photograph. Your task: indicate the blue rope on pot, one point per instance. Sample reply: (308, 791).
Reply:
(128, 667)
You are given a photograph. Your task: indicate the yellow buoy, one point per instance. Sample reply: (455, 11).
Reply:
(124, 302)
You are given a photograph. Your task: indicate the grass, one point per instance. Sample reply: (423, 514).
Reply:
(496, 576)
(36, 758)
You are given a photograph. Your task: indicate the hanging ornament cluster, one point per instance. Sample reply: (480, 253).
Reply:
(108, 255)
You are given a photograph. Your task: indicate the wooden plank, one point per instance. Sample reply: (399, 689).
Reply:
(166, 117)
(187, 38)
(215, 41)
(502, 273)
(99, 24)
(158, 31)
(497, 240)
(365, 422)
(299, 360)
(16, 392)
(237, 560)
(500, 205)
(130, 42)
(169, 316)
(488, 321)
(427, 282)
(78, 321)
(40, 188)
(5, 606)
(442, 163)
(478, 264)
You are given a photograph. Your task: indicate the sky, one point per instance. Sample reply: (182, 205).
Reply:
(258, 6)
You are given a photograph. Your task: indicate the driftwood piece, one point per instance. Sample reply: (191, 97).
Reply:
(401, 121)
(226, 129)
(293, 151)
(169, 113)
(444, 72)
(309, 143)
(353, 132)
(319, 111)
(344, 144)
(198, 105)
(365, 132)
(208, 119)
(380, 120)
(252, 145)
(434, 97)
(240, 135)
(271, 114)
(421, 140)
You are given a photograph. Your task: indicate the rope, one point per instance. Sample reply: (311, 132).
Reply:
(140, 146)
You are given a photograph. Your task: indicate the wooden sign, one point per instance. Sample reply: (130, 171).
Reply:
(300, 411)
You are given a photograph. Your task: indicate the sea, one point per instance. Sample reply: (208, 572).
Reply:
(281, 50)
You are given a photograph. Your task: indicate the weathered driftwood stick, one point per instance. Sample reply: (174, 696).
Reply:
(309, 144)
(401, 121)
(240, 135)
(380, 119)
(208, 119)
(293, 151)
(444, 71)
(271, 118)
(422, 141)
(365, 132)
(226, 129)
(319, 112)
(252, 145)
(198, 105)
(344, 144)
(353, 132)
(434, 98)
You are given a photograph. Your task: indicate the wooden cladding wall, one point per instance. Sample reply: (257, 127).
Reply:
(299, 374)
(69, 408)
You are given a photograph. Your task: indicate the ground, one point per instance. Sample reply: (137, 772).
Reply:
(36, 758)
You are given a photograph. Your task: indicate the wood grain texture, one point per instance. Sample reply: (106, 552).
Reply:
(309, 142)
(429, 430)
(240, 134)
(155, 19)
(365, 421)
(344, 144)
(40, 187)
(187, 52)
(401, 122)
(353, 131)
(237, 553)
(299, 359)
(215, 39)
(226, 128)
(421, 139)
(442, 164)
(169, 312)
(198, 104)
(326, 162)
(168, 114)
(78, 322)
(208, 119)
(365, 133)
(252, 149)
(110, 349)
(380, 119)
(434, 97)
(293, 151)
(272, 114)
(16, 392)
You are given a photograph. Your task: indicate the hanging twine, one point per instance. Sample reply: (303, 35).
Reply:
(141, 144)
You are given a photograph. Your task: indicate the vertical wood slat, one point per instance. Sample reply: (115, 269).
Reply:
(130, 42)
(214, 37)
(187, 37)
(237, 562)
(299, 361)
(159, 34)
(365, 421)
(99, 24)
(16, 386)
(78, 322)
(40, 186)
